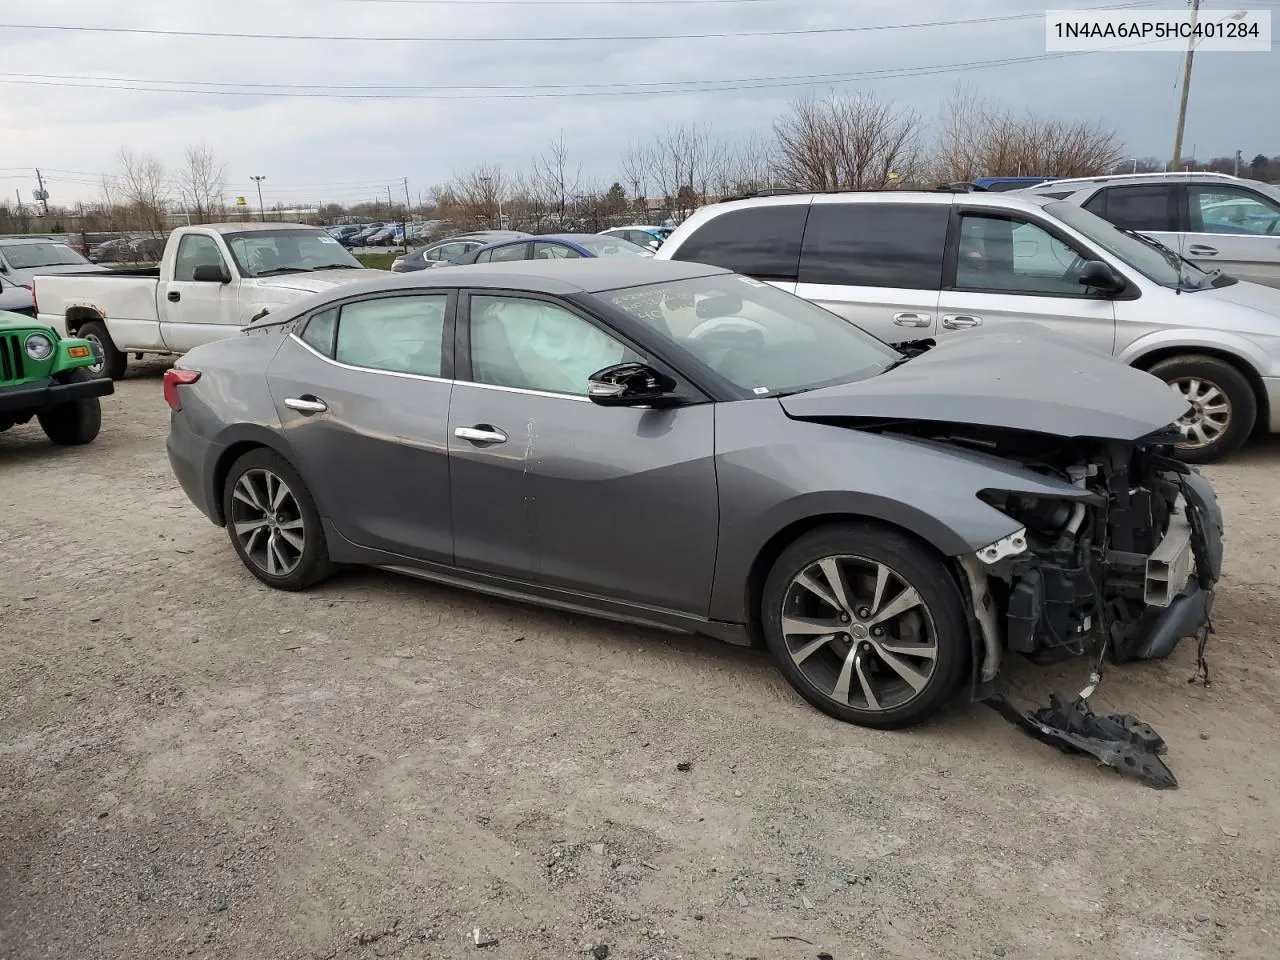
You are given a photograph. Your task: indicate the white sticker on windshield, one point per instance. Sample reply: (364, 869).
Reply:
(760, 391)
(328, 240)
(754, 283)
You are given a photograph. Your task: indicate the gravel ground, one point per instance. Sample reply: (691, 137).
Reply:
(194, 765)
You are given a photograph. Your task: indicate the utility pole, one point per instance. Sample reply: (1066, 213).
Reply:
(41, 195)
(1237, 173)
(404, 223)
(1186, 88)
(262, 211)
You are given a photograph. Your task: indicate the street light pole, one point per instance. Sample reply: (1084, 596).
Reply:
(262, 211)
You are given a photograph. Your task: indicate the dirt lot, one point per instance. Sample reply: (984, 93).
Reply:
(193, 765)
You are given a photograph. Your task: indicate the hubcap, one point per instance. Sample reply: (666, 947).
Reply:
(96, 368)
(859, 632)
(1210, 412)
(267, 522)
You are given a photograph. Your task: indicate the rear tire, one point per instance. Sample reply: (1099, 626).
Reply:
(1225, 406)
(75, 422)
(273, 523)
(897, 641)
(114, 363)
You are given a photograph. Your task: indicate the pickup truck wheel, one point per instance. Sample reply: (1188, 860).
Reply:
(114, 363)
(76, 422)
(1223, 406)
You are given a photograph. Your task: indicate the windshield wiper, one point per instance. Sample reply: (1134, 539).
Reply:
(1171, 257)
(279, 270)
(339, 266)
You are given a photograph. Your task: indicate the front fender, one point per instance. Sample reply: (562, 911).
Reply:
(774, 472)
(1242, 348)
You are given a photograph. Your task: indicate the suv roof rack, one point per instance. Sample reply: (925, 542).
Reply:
(768, 192)
(960, 186)
(1208, 174)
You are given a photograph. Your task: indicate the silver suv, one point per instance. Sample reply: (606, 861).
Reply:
(1215, 220)
(910, 266)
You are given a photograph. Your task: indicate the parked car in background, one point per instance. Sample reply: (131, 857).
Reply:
(711, 455)
(445, 250)
(909, 266)
(115, 250)
(146, 249)
(384, 237)
(212, 280)
(16, 297)
(361, 238)
(344, 232)
(1215, 220)
(1003, 184)
(23, 259)
(556, 246)
(649, 237)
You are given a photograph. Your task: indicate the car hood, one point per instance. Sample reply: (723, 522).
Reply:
(1256, 296)
(1019, 377)
(317, 282)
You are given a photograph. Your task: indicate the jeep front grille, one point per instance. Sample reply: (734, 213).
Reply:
(11, 358)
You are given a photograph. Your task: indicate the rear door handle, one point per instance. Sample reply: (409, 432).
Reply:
(912, 319)
(481, 433)
(174, 296)
(1200, 250)
(306, 404)
(960, 321)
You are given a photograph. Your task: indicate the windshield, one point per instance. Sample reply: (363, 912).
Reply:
(1150, 258)
(611, 247)
(24, 255)
(265, 253)
(760, 339)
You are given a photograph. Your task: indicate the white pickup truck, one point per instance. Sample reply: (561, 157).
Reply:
(212, 280)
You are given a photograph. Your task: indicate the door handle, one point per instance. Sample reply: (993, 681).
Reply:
(306, 404)
(1200, 250)
(481, 433)
(174, 296)
(960, 321)
(912, 319)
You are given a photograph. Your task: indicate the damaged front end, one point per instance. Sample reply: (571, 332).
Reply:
(1121, 565)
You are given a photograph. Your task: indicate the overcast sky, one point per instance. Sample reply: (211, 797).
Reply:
(323, 148)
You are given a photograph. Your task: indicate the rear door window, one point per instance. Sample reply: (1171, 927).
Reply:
(761, 242)
(1149, 206)
(875, 245)
(513, 251)
(1227, 210)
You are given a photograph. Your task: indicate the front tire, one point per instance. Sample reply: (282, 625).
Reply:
(866, 624)
(114, 363)
(273, 522)
(75, 422)
(1224, 408)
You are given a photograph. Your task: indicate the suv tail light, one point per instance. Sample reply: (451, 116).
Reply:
(174, 378)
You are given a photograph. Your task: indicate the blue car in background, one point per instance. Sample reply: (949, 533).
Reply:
(1002, 184)
(556, 246)
(642, 236)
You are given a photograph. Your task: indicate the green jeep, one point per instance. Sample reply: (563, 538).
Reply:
(44, 376)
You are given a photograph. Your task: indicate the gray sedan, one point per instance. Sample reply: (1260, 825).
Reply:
(676, 445)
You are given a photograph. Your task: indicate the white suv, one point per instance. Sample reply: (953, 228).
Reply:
(910, 266)
(1215, 220)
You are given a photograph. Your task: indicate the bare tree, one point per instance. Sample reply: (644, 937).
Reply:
(637, 163)
(555, 181)
(746, 167)
(143, 188)
(202, 182)
(685, 161)
(475, 198)
(854, 142)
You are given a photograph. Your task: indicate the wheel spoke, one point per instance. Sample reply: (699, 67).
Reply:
(810, 648)
(882, 581)
(900, 604)
(818, 590)
(841, 691)
(925, 650)
(865, 683)
(807, 626)
(1193, 389)
(281, 492)
(1197, 430)
(915, 679)
(245, 527)
(253, 540)
(835, 579)
(290, 538)
(273, 557)
(1211, 393)
(248, 493)
(291, 525)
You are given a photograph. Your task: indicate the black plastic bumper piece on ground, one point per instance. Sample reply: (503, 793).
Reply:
(1119, 740)
(43, 394)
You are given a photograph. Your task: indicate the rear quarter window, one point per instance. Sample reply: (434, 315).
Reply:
(875, 245)
(761, 242)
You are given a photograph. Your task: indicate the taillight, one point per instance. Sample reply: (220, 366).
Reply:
(174, 378)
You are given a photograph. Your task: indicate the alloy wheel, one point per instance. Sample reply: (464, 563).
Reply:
(1210, 412)
(267, 522)
(859, 632)
(96, 367)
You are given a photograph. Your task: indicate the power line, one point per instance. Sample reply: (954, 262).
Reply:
(720, 85)
(803, 32)
(556, 3)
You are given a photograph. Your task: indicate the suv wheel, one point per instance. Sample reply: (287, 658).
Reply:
(866, 624)
(1223, 405)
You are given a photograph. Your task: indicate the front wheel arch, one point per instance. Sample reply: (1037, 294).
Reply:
(1263, 423)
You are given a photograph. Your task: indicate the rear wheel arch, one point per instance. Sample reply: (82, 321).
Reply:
(1148, 360)
(233, 452)
(77, 317)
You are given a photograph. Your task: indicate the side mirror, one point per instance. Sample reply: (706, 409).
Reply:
(629, 385)
(210, 273)
(1100, 276)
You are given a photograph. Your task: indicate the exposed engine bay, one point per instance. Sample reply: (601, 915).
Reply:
(1121, 566)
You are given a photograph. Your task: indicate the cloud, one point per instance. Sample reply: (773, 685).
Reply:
(348, 149)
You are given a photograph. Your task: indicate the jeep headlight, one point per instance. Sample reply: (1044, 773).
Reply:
(39, 347)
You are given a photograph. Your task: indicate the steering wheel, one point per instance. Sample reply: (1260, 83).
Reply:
(1271, 227)
(730, 329)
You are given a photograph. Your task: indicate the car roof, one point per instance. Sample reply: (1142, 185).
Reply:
(29, 240)
(248, 227)
(555, 277)
(1016, 199)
